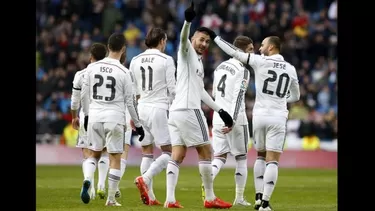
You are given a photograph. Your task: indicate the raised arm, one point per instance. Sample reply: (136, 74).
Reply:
(171, 79)
(240, 87)
(185, 31)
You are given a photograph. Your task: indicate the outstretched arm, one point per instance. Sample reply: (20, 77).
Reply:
(185, 31)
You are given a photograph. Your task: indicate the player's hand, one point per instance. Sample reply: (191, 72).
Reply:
(227, 119)
(75, 123)
(132, 125)
(190, 13)
(211, 33)
(85, 122)
(140, 132)
(226, 129)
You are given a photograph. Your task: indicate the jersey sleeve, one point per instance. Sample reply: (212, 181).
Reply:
(137, 91)
(85, 92)
(185, 44)
(130, 101)
(252, 59)
(170, 78)
(240, 87)
(207, 99)
(76, 92)
(294, 92)
(214, 85)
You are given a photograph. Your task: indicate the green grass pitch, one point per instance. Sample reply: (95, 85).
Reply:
(58, 189)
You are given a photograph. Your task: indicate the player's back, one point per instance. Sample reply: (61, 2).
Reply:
(107, 79)
(273, 78)
(150, 71)
(229, 90)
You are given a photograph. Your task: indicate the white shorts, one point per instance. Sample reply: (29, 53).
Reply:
(106, 134)
(269, 133)
(235, 142)
(82, 135)
(155, 124)
(188, 128)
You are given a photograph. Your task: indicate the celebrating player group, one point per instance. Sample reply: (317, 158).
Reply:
(165, 110)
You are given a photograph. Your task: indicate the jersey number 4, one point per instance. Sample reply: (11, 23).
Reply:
(110, 85)
(221, 85)
(282, 79)
(150, 74)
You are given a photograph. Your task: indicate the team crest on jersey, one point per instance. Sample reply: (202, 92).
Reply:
(244, 84)
(199, 73)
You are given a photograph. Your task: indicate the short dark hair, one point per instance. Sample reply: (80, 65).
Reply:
(116, 42)
(98, 51)
(242, 42)
(203, 29)
(275, 41)
(154, 36)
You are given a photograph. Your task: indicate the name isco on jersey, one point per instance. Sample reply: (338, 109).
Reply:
(227, 68)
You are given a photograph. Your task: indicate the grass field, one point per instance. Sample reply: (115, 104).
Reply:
(58, 188)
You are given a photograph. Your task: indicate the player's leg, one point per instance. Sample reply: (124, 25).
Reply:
(95, 143)
(160, 132)
(196, 135)
(221, 148)
(177, 156)
(103, 166)
(275, 139)
(124, 158)
(115, 147)
(259, 143)
(238, 140)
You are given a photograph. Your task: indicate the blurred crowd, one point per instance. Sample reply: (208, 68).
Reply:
(65, 29)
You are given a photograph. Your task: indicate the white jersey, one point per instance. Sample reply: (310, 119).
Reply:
(231, 79)
(107, 91)
(76, 92)
(276, 80)
(155, 80)
(190, 74)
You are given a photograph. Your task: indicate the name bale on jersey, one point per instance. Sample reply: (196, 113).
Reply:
(147, 60)
(227, 68)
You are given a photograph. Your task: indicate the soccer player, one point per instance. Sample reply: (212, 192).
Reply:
(229, 88)
(107, 90)
(97, 52)
(155, 78)
(276, 84)
(187, 123)
(101, 186)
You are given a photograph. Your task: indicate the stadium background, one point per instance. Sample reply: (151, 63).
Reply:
(65, 29)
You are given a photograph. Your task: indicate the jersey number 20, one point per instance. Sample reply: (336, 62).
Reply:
(283, 78)
(110, 85)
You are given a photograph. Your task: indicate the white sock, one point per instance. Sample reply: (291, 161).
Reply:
(270, 179)
(217, 163)
(103, 166)
(157, 166)
(205, 169)
(123, 167)
(114, 177)
(146, 162)
(240, 176)
(259, 168)
(172, 171)
(89, 168)
(83, 167)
